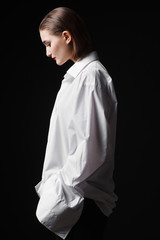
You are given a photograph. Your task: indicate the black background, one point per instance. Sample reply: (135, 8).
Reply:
(126, 38)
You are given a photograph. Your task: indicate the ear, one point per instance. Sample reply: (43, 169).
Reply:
(67, 36)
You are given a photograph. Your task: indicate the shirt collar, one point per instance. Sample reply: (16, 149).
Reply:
(77, 67)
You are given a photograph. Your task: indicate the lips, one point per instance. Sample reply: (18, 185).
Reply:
(54, 58)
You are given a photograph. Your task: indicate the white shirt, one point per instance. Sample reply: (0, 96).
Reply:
(79, 159)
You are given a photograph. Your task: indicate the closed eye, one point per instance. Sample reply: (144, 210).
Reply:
(46, 43)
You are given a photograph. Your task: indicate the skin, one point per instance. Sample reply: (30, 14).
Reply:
(58, 47)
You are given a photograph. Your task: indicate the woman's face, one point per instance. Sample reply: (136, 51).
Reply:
(57, 47)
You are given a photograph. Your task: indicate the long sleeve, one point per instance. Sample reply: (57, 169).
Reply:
(59, 207)
(91, 135)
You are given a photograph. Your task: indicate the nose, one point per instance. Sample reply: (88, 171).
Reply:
(48, 53)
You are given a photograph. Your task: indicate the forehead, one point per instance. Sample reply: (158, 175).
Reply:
(46, 36)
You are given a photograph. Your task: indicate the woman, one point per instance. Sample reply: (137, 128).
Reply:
(77, 188)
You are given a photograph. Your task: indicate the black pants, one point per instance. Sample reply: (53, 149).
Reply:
(91, 224)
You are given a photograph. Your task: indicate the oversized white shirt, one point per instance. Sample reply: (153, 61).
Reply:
(79, 159)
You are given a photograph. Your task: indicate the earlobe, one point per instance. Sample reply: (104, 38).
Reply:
(67, 36)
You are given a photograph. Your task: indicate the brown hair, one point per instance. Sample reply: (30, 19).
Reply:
(62, 19)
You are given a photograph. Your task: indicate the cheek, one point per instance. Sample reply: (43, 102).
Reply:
(55, 49)
(59, 48)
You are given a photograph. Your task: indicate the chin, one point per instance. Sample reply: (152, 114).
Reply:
(60, 62)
